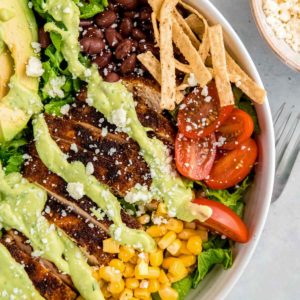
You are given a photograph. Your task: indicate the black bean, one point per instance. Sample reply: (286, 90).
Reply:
(123, 49)
(103, 59)
(106, 18)
(126, 27)
(44, 38)
(94, 32)
(138, 34)
(127, 4)
(113, 37)
(128, 65)
(112, 77)
(85, 23)
(92, 45)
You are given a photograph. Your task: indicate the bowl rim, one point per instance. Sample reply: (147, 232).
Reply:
(240, 53)
(254, 4)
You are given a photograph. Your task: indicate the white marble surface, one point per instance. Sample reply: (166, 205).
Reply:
(273, 272)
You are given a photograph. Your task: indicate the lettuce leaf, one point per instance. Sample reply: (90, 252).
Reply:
(247, 106)
(183, 287)
(90, 8)
(209, 258)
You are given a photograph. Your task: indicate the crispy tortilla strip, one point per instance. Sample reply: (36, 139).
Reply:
(184, 44)
(153, 66)
(187, 30)
(244, 82)
(196, 25)
(156, 6)
(204, 46)
(168, 78)
(182, 67)
(155, 28)
(218, 53)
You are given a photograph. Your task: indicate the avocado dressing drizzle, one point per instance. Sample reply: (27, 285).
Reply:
(117, 105)
(21, 206)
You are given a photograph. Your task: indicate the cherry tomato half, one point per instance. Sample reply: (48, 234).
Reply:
(225, 221)
(195, 158)
(233, 166)
(200, 113)
(236, 129)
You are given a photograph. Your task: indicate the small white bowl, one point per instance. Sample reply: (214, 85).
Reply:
(279, 46)
(219, 282)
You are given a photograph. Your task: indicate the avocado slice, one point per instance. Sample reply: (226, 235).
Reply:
(18, 30)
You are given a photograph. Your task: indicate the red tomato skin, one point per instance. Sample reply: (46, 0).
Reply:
(225, 221)
(194, 108)
(193, 159)
(233, 166)
(236, 129)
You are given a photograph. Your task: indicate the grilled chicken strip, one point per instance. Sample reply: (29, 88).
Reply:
(47, 280)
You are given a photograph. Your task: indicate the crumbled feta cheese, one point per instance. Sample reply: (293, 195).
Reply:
(54, 87)
(89, 168)
(89, 101)
(119, 117)
(75, 190)
(65, 109)
(204, 91)
(67, 10)
(74, 148)
(36, 46)
(192, 81)
(87, 73)
(34, 67)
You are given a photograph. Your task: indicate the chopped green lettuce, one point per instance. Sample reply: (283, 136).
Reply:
(183, 287)
(54, 106)
(209, 258)
(247, 106)
(90, 8)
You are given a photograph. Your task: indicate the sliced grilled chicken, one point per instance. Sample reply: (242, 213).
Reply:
(47, 280)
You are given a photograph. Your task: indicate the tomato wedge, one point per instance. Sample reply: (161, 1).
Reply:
(200, 113)
(225, 221)
(195, 158)
(236, 129)
(233, 166)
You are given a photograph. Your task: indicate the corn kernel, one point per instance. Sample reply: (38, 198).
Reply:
(116, 287)
(167, 293)
(184, 249)
(96, 275)
(174, 248)
(106, 293)
(144, 219)
(194, 244)
(134, 259)
(109, 274)
(156, 257)
(163, 278)
(166, 240)
(203, 234)
(142, 294)
(161, 209)
(111, 246)
(126, 253)
(141, 269)
(132, 283)
(168, 261)
(153, 285)
(178, 270)
(127, 294)
(175, 225)
(153, 273)
(190, 225)
(117, 264)
(129, 270)
(185, 234)
(143, 256)
(144, 284)
(157, 230)
(188, 260)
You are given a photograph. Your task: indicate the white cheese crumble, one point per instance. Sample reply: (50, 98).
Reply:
(67, 10)
(284, 19)
(34, 67)
(65, 109)
(74, 148)
(54, 87)
(192, 81)
(119, 117)
(36, 46)
(90, 168)
(75, 190)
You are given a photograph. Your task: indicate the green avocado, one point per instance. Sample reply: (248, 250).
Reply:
(18, 92)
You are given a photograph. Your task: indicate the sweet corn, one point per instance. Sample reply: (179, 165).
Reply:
(96, 275)
(157, 230)
(126, 253)
(141, 270)
(167, 293)
(132, 283)
(175, 225)
(203, 234)
(190, 225)
(184, 249)
(163, 278)
(142, 294)
(134, 259)
(129, 270)
(127, 294)
(117, 264)
(188, 260)
(106, 293)
(194, 244)
(111, 246)
(153, 273)
(144, 219)
(156, 258)
(110, 274)
(185, 234)
(174, 248)
(153, 285)
(166, 240)
(178, 270)
(116, 287)
(161, 209)
(168, 261)
(143, 256)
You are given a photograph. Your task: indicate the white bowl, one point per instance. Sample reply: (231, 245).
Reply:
(219, 282)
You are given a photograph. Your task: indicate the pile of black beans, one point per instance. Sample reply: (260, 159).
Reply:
(115, 37)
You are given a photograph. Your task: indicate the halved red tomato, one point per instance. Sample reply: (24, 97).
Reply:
(195, 158)
(236, 129)
(233, 166)
(200, 113)
(225, 221)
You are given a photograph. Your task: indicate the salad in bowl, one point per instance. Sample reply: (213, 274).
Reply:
(127, 145)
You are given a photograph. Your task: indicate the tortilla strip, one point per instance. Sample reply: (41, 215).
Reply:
(182, 67)
(168, 78)
(155, 28)
(184, 44)
(153, 66)
(187, 30)
(218, 53)
(244, 82)
(156, 6)
(197, 27)
(204, 46)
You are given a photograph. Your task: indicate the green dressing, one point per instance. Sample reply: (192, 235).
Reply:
(21, 206)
